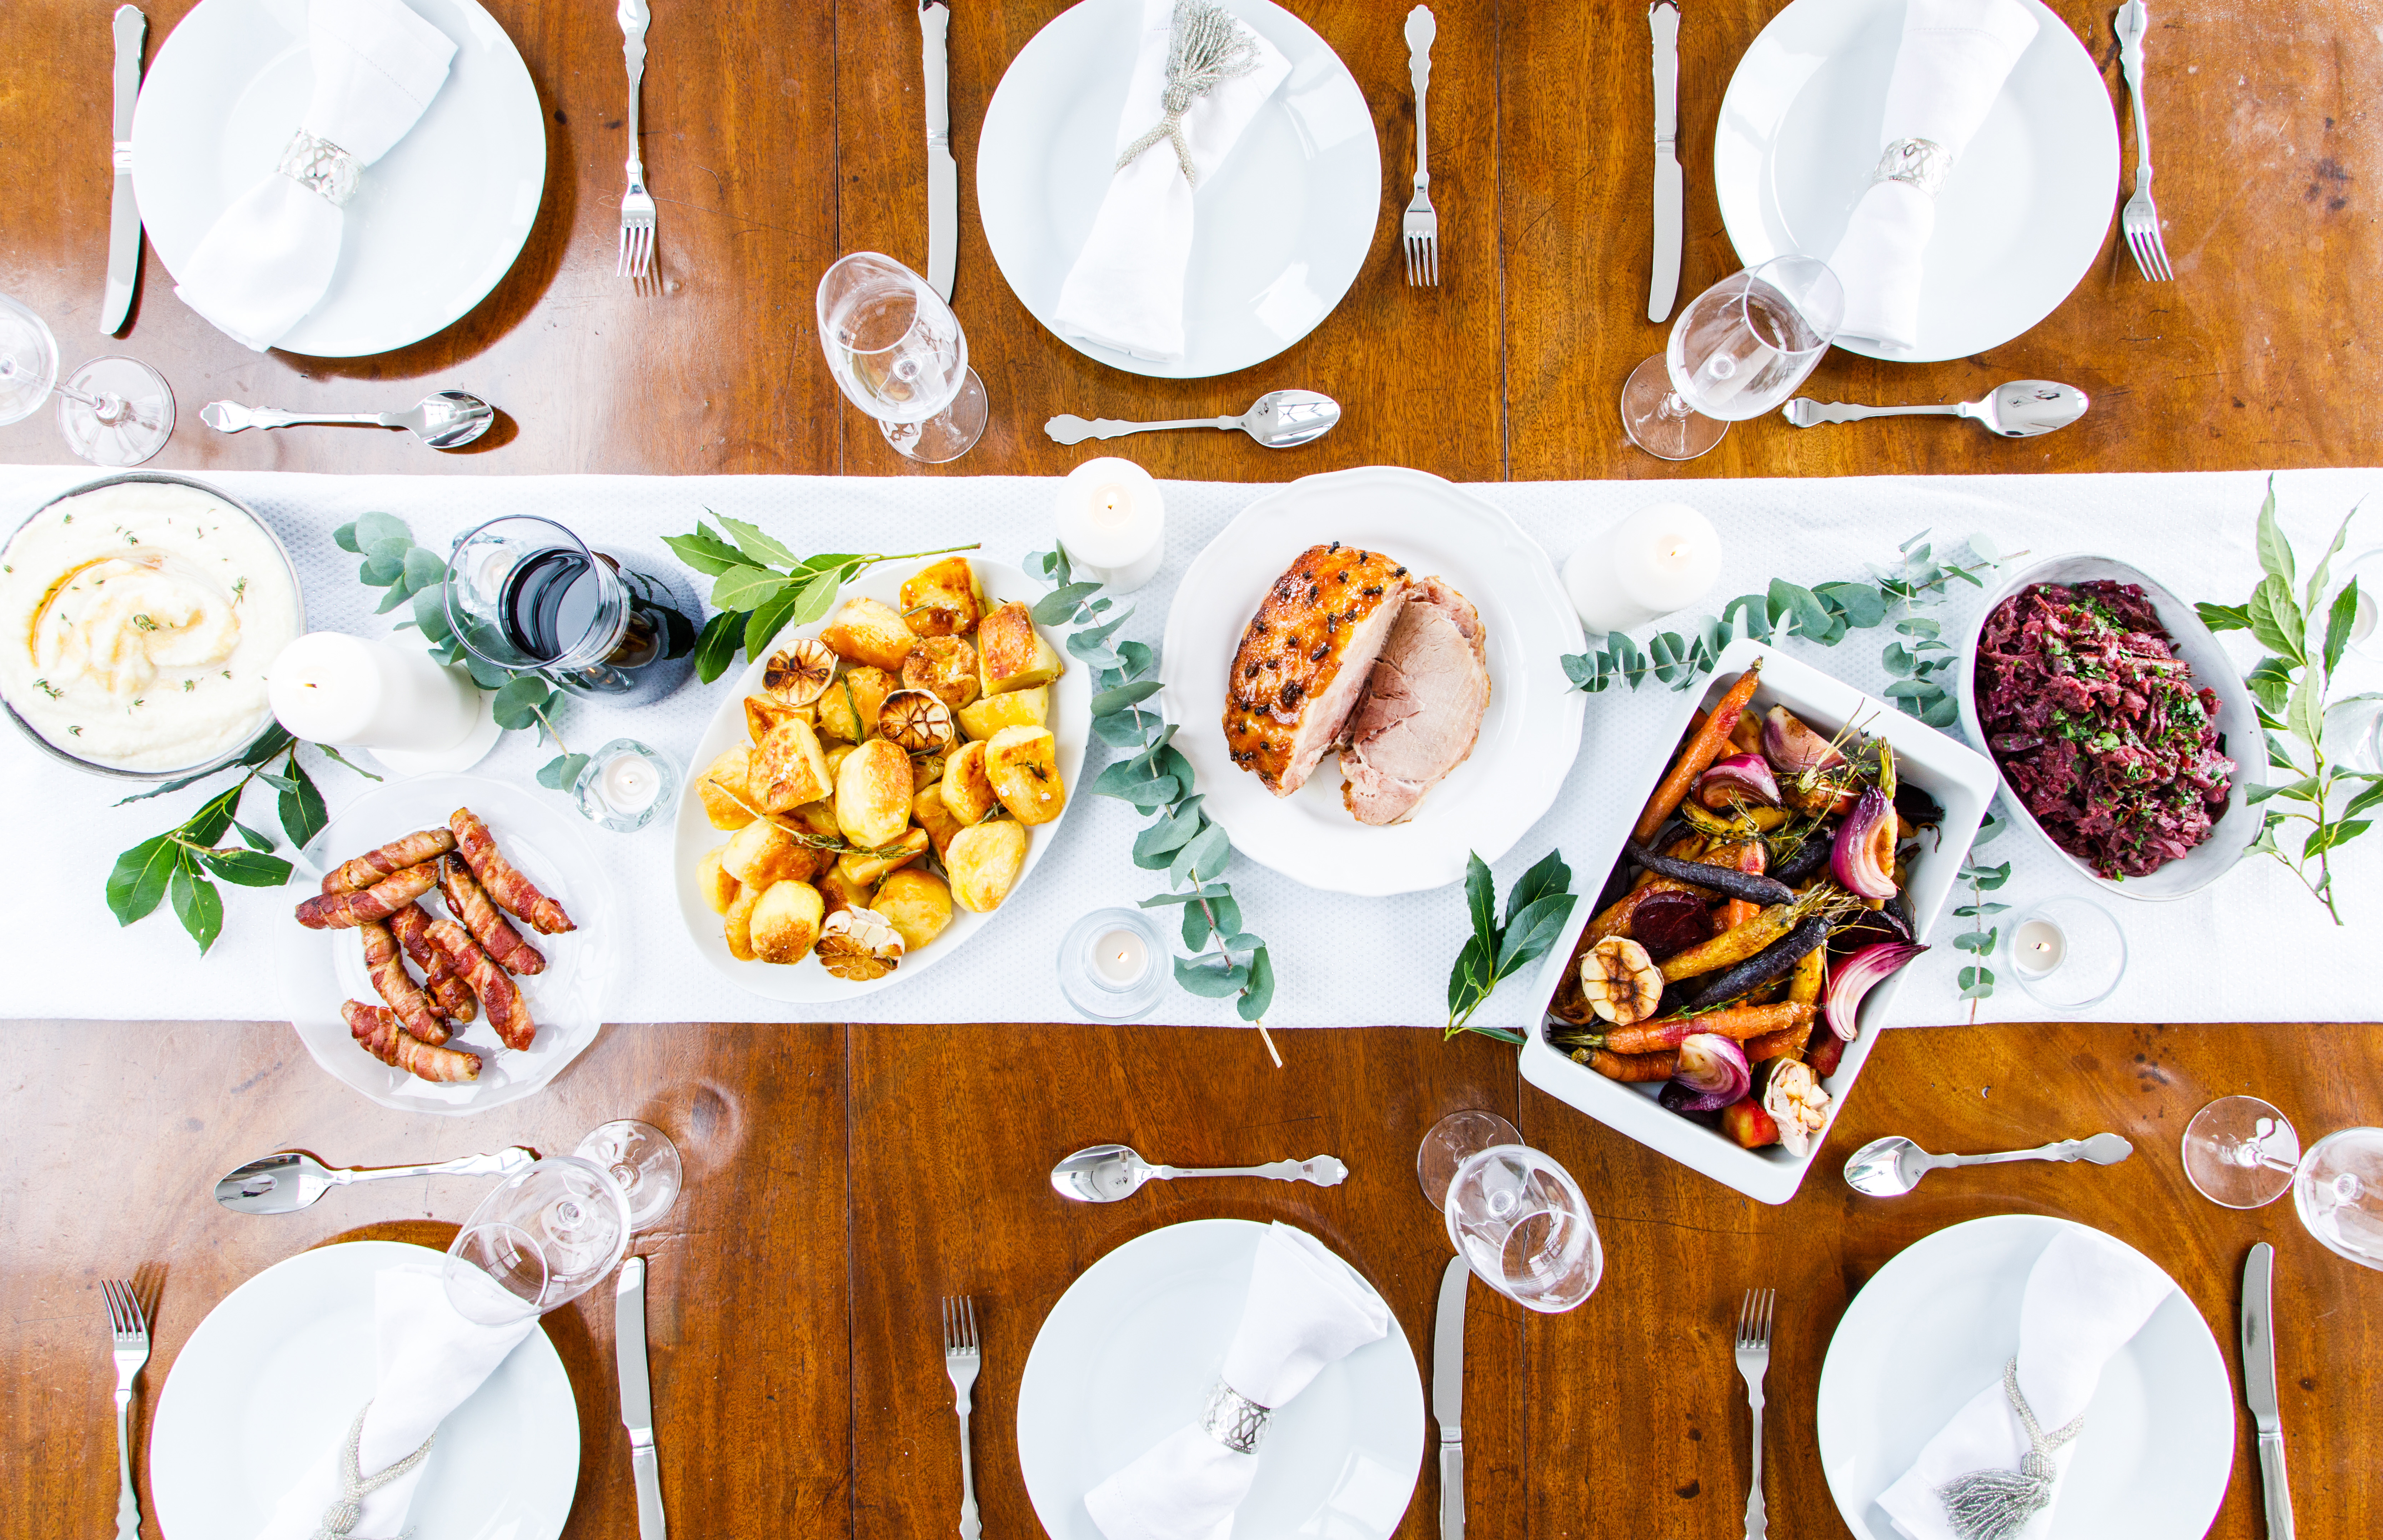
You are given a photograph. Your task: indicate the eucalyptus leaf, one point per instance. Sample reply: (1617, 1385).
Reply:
(518, 703)
(1124, 695)
(380, 572)
(423, 568)
(1211, 979)
(1258, 993)
(345, 538)
(1058, 606)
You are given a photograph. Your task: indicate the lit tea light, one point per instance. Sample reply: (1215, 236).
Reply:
(1655, 561)
(629, 784)
(1120, 957)
(2037, 948)
(624, 785)
(1112, 523)
(1113, 965)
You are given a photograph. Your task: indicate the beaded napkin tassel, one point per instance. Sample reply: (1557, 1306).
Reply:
(341, 1516)
(1208, 49)
(1996, 1505)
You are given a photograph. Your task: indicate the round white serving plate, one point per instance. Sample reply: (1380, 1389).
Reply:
(437, 222)
(1937, 1323)
(1529, 736)
(2019, 220)
(1279, 232)
(1127, 1355)
(270, 1380)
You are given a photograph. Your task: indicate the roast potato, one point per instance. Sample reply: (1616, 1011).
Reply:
(786, 921)
(838, 891)
(722, 776)
(917, 903)
(1023, 765)
(761, 853)
(789, 767)
(719, 888)
(819, 819)
(736, 924)
(865, 871)
(946, 668)
(985, 861)
(943, 599)
(865, 631)
(967, 790)
(928, 768)
(835, 758)
(933, 816)
(1012, 654)
(764, 713)
(873, 793)
(849, 709)
(982, 719)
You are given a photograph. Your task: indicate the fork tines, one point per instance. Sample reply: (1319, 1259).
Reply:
(959, 1327)
(637, 233)
(2139, 220)
(124, 1317)
(1754, 1319)
(1421, 237)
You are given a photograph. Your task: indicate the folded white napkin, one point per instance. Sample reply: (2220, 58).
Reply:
(270, 257)
(1125, 291)
(1955, 55)
(2085, 1299)
(431, 1360)
(1305, 1309)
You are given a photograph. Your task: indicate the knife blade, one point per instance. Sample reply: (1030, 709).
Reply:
(637, 1399)
(2259, 1386)
(1663, 286)
(1448, 1395)
(124, 215)
(943, 172)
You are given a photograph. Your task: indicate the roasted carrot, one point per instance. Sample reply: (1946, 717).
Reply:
(1810, 975)
(1778, 1045)
(1732, 945)
(1739, 1023)
(1704, 746)
(1636, 1067)
(1686, 849)
(1615, 921)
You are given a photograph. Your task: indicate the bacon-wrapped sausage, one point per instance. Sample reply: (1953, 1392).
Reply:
(517, 895)
(412, 927)
(387, 967)
(376, 1030)
(423, 844)
(506, 1012)
(468, 902)
(337, 911)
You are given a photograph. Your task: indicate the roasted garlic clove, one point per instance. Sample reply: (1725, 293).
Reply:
(916, 720)
(801, 673)
(1620, 982)
(1797, 1103)
(860, 945)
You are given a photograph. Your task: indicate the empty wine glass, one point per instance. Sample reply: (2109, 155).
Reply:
(555, 1231)
(2339, 1190)
(641, 1158)
(897, 352)
(113, 410)
(2240, 1153)
(1740, 349)
(1517, 1218)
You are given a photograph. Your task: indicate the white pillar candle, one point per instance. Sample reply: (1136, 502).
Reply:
(354, 693)
(1113, 524)
(1120, 959)
(1647, 564)
(2037, 948)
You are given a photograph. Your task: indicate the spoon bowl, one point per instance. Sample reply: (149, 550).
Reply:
(2029, 408)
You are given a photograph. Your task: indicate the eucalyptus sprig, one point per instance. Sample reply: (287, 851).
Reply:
(759, 587)
(2305, 636)
(1537, 907)
(1977, 981)
(1155, 777)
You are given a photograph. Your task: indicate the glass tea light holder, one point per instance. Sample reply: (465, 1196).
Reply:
(2068, 954)
(625, 785)
(1112, 523)
(1114, 965)
(1643, 566)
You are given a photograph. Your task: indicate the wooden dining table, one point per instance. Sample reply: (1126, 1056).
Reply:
(842, 1179)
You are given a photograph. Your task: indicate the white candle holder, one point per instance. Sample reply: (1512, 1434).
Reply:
(1096, 965)
(1643, 566)
(2068, 954)
(1112, 523)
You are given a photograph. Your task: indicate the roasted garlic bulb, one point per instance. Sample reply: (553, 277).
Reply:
(800, 674)
(1796, 1101)
(1620, 982)
(916, 720)
(859, 944)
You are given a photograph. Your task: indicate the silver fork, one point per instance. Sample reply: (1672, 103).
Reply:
(2139, 219)
(130, 1334)
(961, 1361)
(1754, 1361)
(1420, 233)
(636, 205)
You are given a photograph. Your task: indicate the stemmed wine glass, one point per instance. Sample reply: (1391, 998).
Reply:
(551, 1233)
(2242, 1153)
(1740, 349)
(898, 353)
(1515, 1216)
(114, 411)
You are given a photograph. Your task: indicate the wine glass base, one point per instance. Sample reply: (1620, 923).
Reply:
(643, 1160)
(1659, 422)
(1451, 1142)
(2240, 1153)
(139, 417)
(949, 434)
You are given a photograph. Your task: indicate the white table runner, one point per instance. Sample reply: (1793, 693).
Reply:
(1339, 961)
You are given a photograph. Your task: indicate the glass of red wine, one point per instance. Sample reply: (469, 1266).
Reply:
(525, 595)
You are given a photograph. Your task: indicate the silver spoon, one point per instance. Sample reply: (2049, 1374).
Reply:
(287, 1182)
(2022, 409)
(1279, 420)
(1892, 1166)
(447, 421)
(1107, 1171)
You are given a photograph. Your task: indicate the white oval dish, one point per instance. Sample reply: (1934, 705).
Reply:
(2238, 725)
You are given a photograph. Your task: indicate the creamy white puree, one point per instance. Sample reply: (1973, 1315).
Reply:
(136, 623)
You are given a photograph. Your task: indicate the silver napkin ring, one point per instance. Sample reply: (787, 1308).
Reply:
(1234, 1420)
(321, 165)
(1921, 162)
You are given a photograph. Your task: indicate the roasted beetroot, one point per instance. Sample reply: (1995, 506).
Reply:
(1670, 922)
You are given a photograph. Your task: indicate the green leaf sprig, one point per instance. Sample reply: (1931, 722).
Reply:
(2305, 633)
(1977, 981)
(1155, 777)
(759, 587)
(1537, 907)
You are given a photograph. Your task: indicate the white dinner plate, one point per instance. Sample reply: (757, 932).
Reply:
(1279, 232)
(2020, 218)
(809, 980)
(271, 1379)
(1935, 1326)
(1128, 1356)
(1529, 736)
(540, 832)
(437, 221)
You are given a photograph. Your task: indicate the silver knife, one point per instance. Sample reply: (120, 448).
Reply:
(124, 218)
(1663, 287)
(637, 1400)
(943, 172)
(1448, 1395)
(2259, 1386)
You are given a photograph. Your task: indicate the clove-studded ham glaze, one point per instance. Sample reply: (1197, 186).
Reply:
(1304, 659)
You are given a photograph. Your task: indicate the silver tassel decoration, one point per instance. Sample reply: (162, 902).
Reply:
(1996, 1505)
(1207, 48)
(341, 1518)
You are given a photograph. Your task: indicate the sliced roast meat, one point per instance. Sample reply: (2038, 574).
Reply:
(1422, 709)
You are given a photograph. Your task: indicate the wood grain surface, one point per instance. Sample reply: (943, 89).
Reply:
(777, 137)
(842, 1180)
